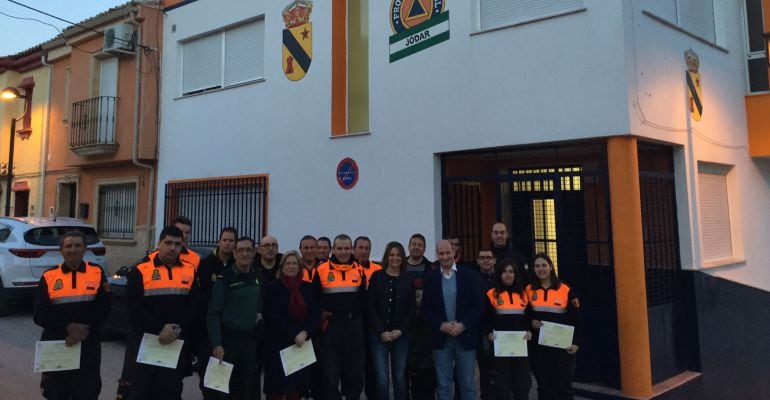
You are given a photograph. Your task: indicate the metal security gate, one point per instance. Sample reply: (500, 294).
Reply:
(213, 204)
(673, 332)
(553, 199)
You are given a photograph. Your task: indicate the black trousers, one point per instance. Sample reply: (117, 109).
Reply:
(343, 358)
(485, 357)
(241, 351)
(553, 369)
(142, 381)
(510, 378)
(82, 384)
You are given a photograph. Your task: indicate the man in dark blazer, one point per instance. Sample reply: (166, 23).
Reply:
(453, 306)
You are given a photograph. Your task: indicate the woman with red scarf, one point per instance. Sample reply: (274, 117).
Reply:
(292, 316)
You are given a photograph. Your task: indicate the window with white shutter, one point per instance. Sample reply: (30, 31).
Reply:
(496, 13)
(694, 16)
(716, 238)
(227, 57)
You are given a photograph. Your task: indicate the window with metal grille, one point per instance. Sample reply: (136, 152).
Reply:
(694, 16)
(228, 57)
(497, 13)
(212, 204)
(117, 210)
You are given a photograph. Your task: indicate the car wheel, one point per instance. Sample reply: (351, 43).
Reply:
(5, 305)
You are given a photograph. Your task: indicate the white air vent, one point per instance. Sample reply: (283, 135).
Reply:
(119, 38)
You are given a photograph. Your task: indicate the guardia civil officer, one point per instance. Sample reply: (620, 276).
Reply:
(234, 310)
(71, 302)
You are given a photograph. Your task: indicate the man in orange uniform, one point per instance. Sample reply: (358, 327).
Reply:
(162, 300)
(71, 301)
(341, 287)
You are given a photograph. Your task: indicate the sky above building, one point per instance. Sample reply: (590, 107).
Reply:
(17, 35)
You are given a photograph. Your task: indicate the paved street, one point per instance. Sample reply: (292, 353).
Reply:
(17, 345)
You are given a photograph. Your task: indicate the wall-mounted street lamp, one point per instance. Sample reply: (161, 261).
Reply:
(11, 93)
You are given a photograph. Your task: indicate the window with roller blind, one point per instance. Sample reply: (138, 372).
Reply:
(224, 58)
(694, 16)
(498, 13)
(716, 238)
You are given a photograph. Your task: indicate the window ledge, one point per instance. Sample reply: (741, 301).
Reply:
(685, 31)
(119, 242)
(356, 134)
(726, 262)
(529, 21)
(237, 85)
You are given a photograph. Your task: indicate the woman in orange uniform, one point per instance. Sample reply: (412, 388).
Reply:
(506, 312)
(551, 300)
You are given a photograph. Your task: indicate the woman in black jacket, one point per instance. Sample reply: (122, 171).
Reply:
(292, 316)
(390, 309)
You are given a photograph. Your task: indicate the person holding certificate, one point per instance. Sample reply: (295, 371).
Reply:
(391, 306)
(71, 301)
(508, 328)
(552, 304)
(292, 316)
(161, 295)
(234, 310)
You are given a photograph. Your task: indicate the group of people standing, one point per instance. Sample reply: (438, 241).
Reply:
(408, 323)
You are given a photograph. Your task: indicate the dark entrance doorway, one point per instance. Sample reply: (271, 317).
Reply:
(21, 203)
(553, 199)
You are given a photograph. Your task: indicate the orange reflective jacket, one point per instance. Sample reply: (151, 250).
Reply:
(339, 278)
(549, 300)
(157, 279)
(60, 284)
(507, 303)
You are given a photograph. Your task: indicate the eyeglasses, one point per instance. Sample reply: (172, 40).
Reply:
(486, 257)
(274, 245)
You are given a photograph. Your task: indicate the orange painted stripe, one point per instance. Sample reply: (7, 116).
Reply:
(628, 249)
(339, 67)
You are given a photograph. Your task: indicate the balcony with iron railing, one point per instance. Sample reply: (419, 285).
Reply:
(92, 130)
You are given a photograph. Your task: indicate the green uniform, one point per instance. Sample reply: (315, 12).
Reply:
(235, 304)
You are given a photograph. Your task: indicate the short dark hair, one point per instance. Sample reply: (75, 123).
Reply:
(228, 229)
(172, 231)
(417, 236)
(342, 236)
(307, 237)
(324, 239)
(246, 238)
(73, 233)
(486, 248)
(360, 238)
(182, 220)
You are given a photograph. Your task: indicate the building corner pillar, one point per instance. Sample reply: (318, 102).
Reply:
(628, 250)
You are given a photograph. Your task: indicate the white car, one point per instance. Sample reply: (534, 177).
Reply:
(30, 245)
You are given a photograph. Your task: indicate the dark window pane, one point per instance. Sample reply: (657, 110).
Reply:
(755, 28)
(758, 80)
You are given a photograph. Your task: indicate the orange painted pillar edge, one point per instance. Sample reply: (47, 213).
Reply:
(339, 67)
(628, 249)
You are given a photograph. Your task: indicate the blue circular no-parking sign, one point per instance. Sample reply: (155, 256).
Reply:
(347, 173)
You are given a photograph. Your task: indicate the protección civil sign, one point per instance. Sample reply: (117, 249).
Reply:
(347, 173)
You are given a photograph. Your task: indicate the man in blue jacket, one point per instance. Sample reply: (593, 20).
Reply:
(452, 305)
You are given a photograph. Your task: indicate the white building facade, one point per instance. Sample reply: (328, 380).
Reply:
(569, 120)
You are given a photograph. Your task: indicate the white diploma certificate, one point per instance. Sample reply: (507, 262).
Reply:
(160, 355)
(556, 335)
(54, 355)
(294, 358)
(510, 344)
(217, 375)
